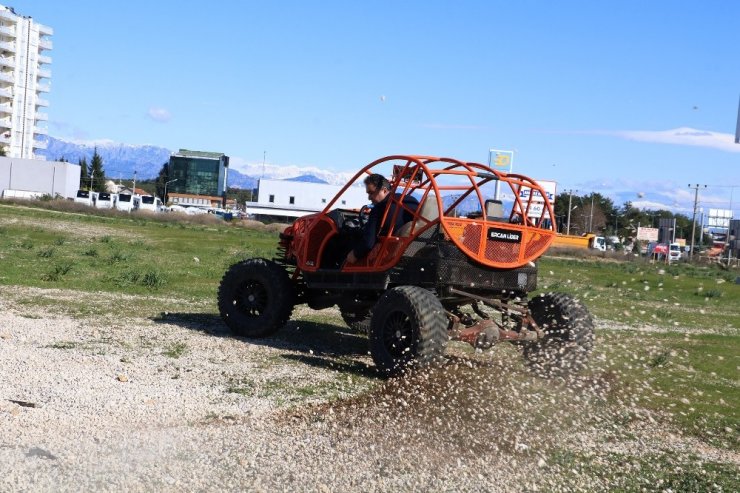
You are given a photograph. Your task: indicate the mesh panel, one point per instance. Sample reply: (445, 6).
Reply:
(500, 251)
(471, 237)
(535, 244)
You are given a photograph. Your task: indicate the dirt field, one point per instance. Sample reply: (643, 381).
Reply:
(176, 404)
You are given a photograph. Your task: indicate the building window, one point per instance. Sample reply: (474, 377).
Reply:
(292, 200)
(272, 198)
(323, 201)
(344, 202)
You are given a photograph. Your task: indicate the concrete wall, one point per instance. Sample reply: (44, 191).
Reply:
(46, 177)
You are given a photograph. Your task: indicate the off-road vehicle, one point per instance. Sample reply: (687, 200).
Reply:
(460, 269)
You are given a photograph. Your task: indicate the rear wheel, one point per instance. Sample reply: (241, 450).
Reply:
(255, 298)
(569, 335)
(408, 326)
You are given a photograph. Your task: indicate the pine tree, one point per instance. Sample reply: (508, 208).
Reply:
(162, 178)
(84, 174)
(97, 173)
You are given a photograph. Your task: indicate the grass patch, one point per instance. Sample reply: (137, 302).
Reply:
(176, 350)
(57, 272)
(652, 472)
(64, 345)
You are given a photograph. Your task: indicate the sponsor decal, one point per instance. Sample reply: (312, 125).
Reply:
(505, 235)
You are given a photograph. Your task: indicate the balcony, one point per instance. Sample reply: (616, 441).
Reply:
(5, 123)
(41, 102)
(8, 31)
(43, 87)
(45, 44)
(45, 30)
(6, 46)
(39, 144)
(44, 72)
(42, 117)
(6, 92)
(44, 59)
(6, 108)
(7, 61)
(40, 131)
(7, 77)
(7, 14)
(5, 137)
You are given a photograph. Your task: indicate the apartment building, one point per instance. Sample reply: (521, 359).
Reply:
(25, 78)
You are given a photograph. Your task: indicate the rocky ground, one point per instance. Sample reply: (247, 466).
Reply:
(173, 403)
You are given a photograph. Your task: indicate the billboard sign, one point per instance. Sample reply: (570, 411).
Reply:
(719, 218)
(538, 203)
(500, 160)
(647, 234)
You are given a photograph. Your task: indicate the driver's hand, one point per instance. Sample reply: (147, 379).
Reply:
(351, 258)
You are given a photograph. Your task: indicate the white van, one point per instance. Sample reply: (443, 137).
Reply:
(86, 197)
(106, 200)
(128, 202)
(150, 203)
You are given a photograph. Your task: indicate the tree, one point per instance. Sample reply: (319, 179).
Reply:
(162, 178)
(97, 173)
(85, 183)
(240, 195)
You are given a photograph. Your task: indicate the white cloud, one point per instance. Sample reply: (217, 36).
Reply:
(680, 136)
(157, 114)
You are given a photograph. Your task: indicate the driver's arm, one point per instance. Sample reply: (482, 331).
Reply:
(369, 235)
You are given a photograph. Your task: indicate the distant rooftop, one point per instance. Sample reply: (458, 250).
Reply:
(204, 154)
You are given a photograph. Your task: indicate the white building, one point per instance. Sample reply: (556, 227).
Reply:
(24, 80)
(33, 177)
(292, 199)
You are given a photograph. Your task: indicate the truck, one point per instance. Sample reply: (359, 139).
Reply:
(587, 240)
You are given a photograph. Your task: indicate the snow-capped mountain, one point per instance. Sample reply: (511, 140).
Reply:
(121, 160)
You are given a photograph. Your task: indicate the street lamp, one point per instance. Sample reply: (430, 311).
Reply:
(165, 189)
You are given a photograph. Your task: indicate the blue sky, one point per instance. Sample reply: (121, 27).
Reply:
(632, 99)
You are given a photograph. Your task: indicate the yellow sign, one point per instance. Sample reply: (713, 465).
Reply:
(501, 159)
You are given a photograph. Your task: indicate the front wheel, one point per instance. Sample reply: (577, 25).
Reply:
(569, 335)
(256, 297)
(408, 326)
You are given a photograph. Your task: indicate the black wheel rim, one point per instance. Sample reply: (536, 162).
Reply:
(251, 299)
(398, 335)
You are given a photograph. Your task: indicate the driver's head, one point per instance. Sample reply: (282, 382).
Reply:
(377, 188)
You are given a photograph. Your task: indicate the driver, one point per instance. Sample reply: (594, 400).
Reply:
(378, 191)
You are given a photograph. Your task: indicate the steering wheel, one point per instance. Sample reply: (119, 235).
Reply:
(364, 215)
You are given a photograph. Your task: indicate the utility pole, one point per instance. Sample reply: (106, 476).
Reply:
(591, 216)
(693, 220)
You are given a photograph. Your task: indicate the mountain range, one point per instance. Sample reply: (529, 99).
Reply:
(123, 160)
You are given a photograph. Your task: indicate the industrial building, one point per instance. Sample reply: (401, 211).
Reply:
(197, 179)
(29, 178)
(287, 200)
(24, 80)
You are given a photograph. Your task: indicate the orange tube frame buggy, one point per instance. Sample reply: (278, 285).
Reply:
(441, 185)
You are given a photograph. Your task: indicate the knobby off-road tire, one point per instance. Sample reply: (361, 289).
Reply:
(256, 297)
(408, 327)
(569, 335)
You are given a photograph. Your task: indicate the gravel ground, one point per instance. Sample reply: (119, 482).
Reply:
(159, 405)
